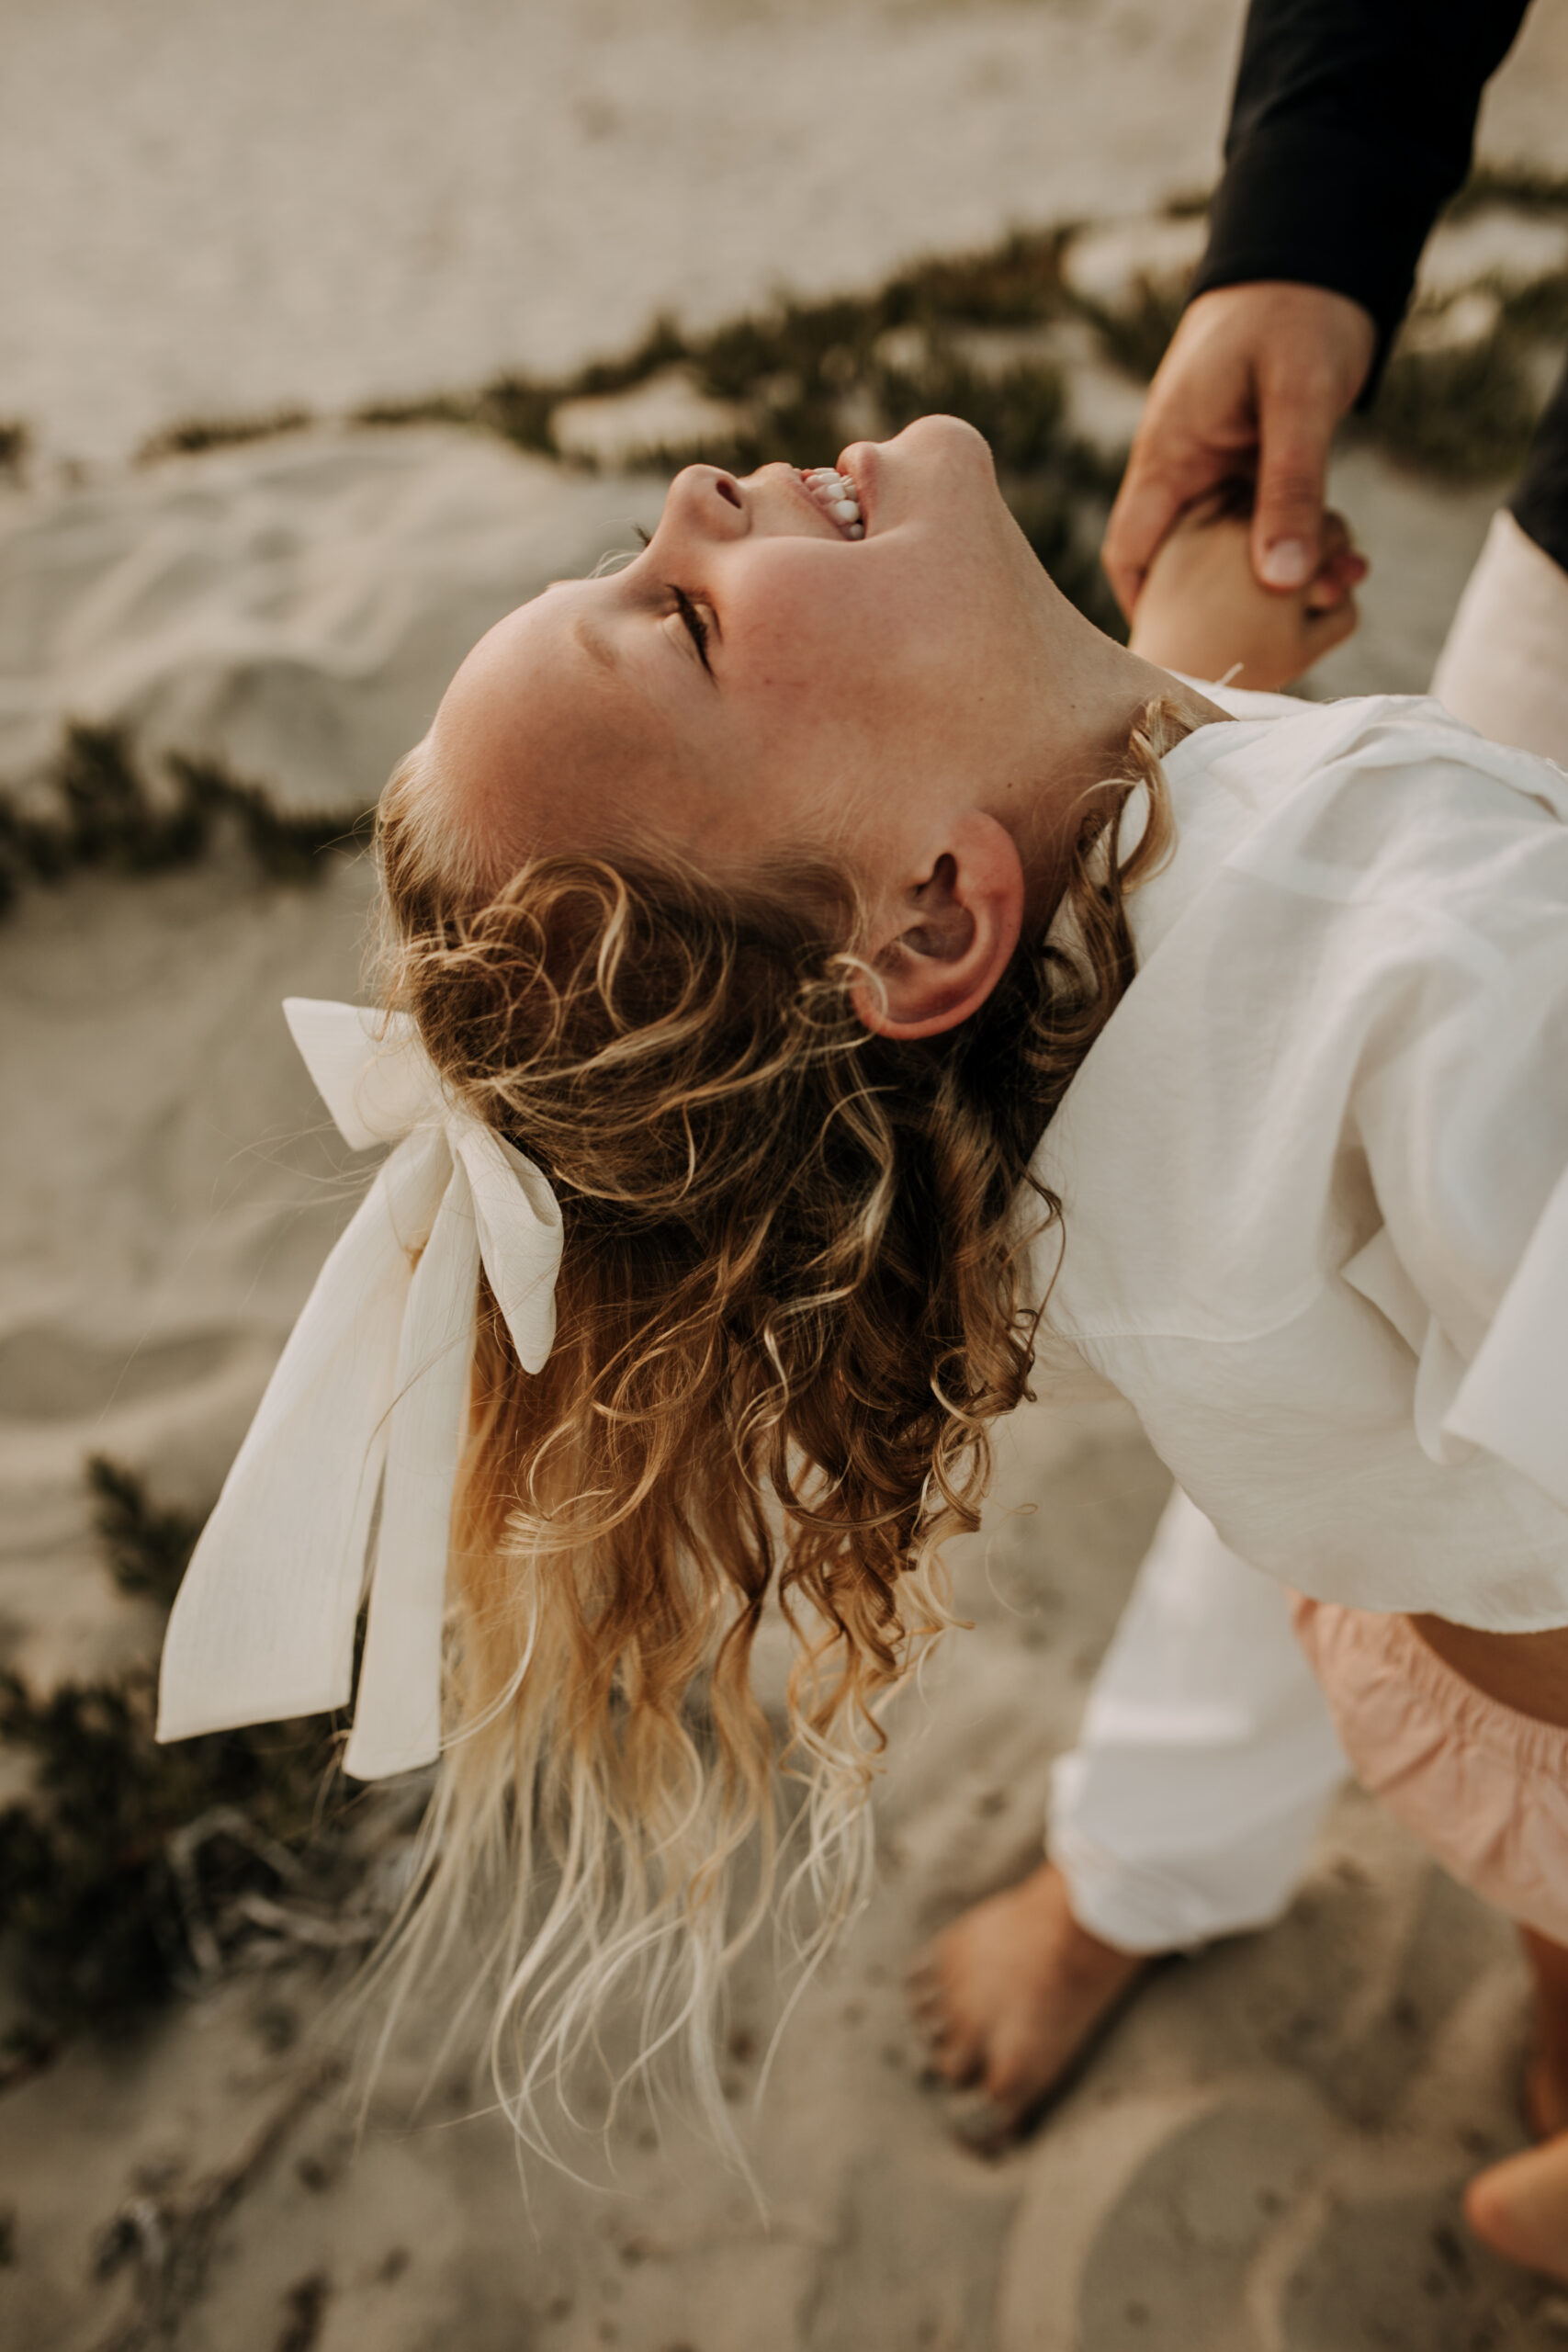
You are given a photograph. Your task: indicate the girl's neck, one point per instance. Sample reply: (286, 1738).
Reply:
(1098, 693)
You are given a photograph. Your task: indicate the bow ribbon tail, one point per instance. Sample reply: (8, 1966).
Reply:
(519, 1223)
(262, 1625)
(397, 1716)
(371, 1390)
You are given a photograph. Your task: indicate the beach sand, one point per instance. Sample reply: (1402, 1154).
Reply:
(1267, 2154)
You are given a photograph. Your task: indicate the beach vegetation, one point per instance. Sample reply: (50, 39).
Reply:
(191, 436)
(97, 805)
(809, 375)
(129, 1872)
(990, 335)
(1465, 414)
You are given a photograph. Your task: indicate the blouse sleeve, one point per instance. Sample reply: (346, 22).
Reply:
(1461, 1105)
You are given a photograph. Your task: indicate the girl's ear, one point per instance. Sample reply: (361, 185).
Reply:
(946, 941)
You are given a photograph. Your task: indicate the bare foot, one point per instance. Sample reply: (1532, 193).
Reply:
(1519, 2208)
(1011, 1995)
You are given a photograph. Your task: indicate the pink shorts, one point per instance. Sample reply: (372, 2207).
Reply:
(1485, 1788)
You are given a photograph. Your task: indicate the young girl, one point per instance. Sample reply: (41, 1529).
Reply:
(774, 1027)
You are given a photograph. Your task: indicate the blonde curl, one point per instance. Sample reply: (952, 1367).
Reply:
(793, 1299)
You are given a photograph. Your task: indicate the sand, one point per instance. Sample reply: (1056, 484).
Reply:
(219, 210)
(1267, 2156)
(1275, 2139)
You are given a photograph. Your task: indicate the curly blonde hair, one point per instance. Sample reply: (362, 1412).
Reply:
(793, 1299)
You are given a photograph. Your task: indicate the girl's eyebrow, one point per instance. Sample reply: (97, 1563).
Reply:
(600, 647)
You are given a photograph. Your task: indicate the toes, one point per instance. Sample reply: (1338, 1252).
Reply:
(1519, 2208)
(952, 2052)
(1489, 2210)
(922, 1982)
(926, 1999)
(980, 2124)
(989, 2111)
(957, 2057)
(954, 2049)
(933, 2018)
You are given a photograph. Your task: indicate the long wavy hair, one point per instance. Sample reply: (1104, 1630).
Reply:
(793, 1299)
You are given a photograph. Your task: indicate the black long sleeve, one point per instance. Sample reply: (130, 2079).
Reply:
(1352, 123)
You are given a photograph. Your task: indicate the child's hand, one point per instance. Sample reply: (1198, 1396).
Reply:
(1201, 611)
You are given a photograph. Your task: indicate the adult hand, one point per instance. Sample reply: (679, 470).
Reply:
(1256, 380)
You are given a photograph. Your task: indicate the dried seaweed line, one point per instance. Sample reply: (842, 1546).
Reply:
(170, 2236)
(97, 807)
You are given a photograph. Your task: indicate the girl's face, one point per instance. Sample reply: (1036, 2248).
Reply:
(756, 678)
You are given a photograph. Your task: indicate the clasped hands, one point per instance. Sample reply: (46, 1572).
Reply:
(1219, 548)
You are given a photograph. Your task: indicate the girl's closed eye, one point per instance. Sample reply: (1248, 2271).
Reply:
(696, 628)
(685, 605)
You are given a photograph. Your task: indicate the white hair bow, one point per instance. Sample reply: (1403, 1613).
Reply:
(374, 1379)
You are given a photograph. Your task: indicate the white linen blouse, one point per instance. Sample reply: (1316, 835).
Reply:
(1314, 1170)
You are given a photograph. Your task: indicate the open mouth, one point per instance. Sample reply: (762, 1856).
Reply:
(837, 496)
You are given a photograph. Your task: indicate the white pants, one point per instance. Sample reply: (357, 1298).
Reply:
(1206, 1757)
(1188, 1806)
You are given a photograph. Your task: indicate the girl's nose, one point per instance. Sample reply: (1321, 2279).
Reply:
(706, 501)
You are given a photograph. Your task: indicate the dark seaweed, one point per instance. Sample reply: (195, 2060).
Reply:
(96, 807)
(123, 1867)
(193, 434)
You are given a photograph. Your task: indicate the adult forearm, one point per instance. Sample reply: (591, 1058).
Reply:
(1352, 123)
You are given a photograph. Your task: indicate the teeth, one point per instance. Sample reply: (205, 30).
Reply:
(837, 493)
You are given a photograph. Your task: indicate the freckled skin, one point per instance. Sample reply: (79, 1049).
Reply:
(864, 696)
